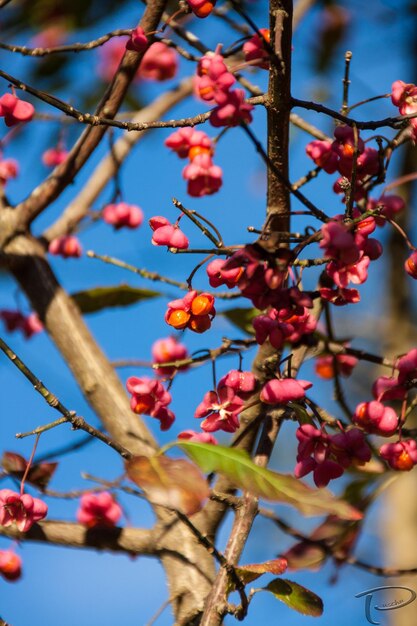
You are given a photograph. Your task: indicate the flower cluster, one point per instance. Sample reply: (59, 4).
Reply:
(350, 251)
(194, 311)
(15, 110)
(15, 320)
(67, 246)
(202, 176)
(213, 84)
(22, 510)
(166, 351)
(327, 456)
(123, 215)
(159, 63)
(167, 234)
(98, 510)
(255, 51)
(221, 407)
(149, 397)
(339, 155)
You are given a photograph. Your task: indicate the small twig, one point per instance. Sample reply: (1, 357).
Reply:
(346, 83)
(70, 416)
(192, 216)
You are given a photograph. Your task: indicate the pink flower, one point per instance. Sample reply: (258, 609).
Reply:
(9, 168)
(23, 510)
(233, 111)
(338, 242)
(138, 40)
(194, 311)
(401, 455)
(391, 205)
(151, 398)
(388, 388)
(204, 178)
(242, 383)
(123, 214)
(98, 510)
(66, 246)
(191, 435)
(54, 157)
(166, 351)
(201, 8)
(254, 49)
(375, 418)
(407, 367)
(167, 234)
(213, 80)
(325, 365)
(10, 565)
(220, 409)
(323, 155)
(219, 274)
(313, 456)
(342, 274)
(15, 320)
(284, 390)
(159, 63)
(404, 96)
(350, 447)
(14, 110)
(188, 142)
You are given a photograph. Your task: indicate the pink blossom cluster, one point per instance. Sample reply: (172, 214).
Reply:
(67, 246)
(194, 311)
(396, 387)
(159, 63)
(350, 251)
(167, 234)
(255, 51)
(15, 320)
(404, 96)
(20, 509)
(9, 168)
(202, 176)
(121, 215)
(98, 510)
(252, 274)
(150, 397)
(10, 565)
(376, 419)
(166, 351)
(221, 407)
(15, 110)
(338, 155)
(213, 84)
(327, 456)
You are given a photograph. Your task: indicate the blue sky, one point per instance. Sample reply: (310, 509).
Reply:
(72, 586)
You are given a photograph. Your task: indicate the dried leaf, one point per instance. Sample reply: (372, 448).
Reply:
(99, 298)
(174, 483)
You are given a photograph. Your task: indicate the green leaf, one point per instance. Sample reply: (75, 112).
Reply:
(99, 298)
(242, 318)
(264, 483)
(296, 597)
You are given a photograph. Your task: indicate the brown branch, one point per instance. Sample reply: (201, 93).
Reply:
(74, 47)
(128, 540)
